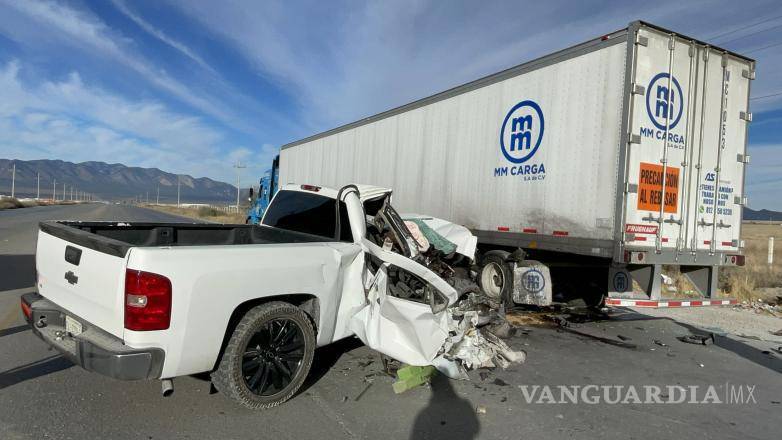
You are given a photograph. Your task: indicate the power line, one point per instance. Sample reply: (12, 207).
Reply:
(743, 27)
(762, 48)
(751, 34)
(766, 96)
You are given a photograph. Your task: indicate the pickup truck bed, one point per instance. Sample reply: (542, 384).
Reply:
(115, 238)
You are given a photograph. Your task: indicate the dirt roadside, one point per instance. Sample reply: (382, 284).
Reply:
(202, 213)
(748, 322)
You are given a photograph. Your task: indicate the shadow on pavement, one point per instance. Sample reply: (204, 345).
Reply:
(326, 357)
(739, 348)
(447, 416)
(17, 271)
(746, 351)
(33, 370)
(14, 330)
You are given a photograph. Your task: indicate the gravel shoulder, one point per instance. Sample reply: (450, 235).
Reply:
(741, 322)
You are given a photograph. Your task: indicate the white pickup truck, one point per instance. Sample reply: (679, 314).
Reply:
(248, 303)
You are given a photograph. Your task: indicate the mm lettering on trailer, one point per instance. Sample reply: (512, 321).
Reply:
(664, 106)
(650, 188)
(521, 136)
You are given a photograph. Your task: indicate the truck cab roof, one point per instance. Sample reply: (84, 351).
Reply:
(366, 192)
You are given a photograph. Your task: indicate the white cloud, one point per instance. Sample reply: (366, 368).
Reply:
(73, 121)
(82, 28)
(160, 35)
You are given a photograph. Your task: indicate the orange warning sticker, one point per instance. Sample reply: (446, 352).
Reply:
(650, 188)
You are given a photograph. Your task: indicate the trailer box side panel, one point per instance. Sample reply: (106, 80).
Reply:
(532, 154)
(635, 141)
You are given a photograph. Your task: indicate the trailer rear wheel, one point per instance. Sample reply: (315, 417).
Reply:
(496, 277)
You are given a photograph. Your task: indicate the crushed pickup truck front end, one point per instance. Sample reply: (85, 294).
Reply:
(89, 347)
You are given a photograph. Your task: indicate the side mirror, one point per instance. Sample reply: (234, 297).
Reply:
(251, 192)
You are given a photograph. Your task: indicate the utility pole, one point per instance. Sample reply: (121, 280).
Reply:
(71, 193)
(177, 190)
(38, 193)
(63, 192)
(147, 197)
(157, 201)
(54, 189)
(13, 180)
(238, 167)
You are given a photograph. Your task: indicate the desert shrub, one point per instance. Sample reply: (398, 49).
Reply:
(10, 203)
(206, 211)
(743, 281)
(738, 282)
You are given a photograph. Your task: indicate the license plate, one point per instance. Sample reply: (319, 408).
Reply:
(72, 326)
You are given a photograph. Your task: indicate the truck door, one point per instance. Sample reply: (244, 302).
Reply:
(405, 315)
(687, 145)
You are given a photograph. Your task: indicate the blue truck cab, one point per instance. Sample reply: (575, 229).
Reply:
(266, 189)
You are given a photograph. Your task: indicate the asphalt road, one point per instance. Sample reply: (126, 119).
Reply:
(44, 396)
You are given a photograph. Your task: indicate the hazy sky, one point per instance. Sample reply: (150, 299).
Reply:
(192, 86)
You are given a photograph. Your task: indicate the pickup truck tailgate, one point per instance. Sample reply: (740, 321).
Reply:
(86, 282)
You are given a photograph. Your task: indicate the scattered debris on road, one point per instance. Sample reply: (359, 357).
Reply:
(697, 339)
(771, 307)
(410, 377)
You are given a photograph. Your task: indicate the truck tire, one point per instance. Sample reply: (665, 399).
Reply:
(268, 356)
(496, 277)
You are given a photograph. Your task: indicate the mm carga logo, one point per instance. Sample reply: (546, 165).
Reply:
(664, 105)
(521, 135)
(522, 131)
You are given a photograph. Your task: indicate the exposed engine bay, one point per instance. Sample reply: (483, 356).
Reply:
(475, 323)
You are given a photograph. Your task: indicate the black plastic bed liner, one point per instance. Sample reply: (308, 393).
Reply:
(115, 238)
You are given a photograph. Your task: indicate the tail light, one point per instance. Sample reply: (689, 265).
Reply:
(312, 188)
(147, 301)
(736, 260)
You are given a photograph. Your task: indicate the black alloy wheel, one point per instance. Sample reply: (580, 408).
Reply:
(273, 356)
(267, 357)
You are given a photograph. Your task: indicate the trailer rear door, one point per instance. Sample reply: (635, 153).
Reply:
(687, 145)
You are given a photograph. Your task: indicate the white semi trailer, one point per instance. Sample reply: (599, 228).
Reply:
(603, 161)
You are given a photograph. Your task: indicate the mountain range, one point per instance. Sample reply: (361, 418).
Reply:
(110, 182)
(762, 214)
(120, 182)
